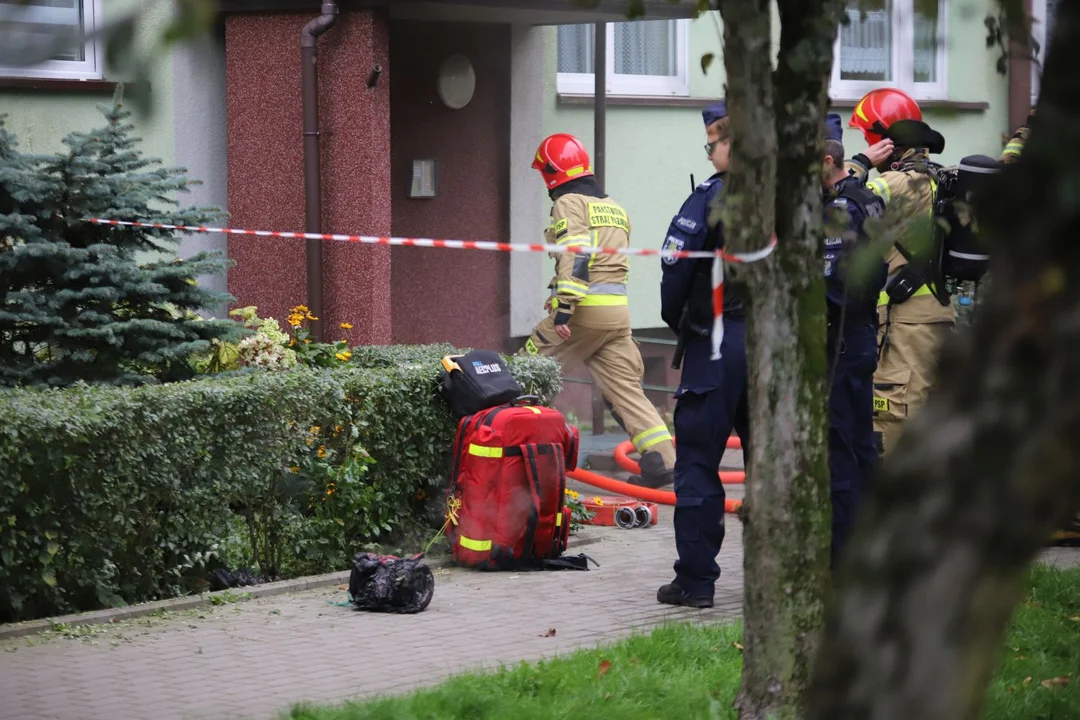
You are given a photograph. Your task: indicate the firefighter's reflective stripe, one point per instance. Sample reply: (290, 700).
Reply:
(603, 301)
(653, 436)
(883, 298)
(475, 545)
(485, 451)
(879, 187)
(605, 295)
(572, 287)
(1014, 147)
(574, 241)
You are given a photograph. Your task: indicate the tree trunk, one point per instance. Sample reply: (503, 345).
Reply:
(776, 158)
(989, 467)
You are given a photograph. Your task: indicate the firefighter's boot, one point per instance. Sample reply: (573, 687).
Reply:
(653, 472)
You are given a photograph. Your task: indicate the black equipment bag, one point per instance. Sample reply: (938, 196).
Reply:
(384, 583)
(476, 381)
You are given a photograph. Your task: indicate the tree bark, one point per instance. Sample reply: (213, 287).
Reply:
(988, 469)
(777, 124)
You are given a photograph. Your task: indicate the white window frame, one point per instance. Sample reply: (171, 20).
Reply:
(677, 85)
(91, 68)
(903, 59)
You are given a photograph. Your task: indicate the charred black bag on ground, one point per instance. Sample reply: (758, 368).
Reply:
(384, 583)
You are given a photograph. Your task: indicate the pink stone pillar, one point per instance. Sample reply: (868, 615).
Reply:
(265, 167)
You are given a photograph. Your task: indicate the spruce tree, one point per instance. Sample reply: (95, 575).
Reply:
(99, 303)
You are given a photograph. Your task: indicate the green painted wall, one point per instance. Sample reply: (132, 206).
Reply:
(652, 151)
(41, 118)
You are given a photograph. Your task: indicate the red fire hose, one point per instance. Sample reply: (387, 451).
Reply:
(727, 477)
(661, 497)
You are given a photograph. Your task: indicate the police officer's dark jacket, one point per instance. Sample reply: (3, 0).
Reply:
(687, 282)
(848, 205)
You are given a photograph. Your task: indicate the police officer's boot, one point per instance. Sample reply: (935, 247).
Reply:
(672, 594)
(653, 473)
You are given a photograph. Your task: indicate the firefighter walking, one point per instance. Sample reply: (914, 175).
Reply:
(589, 317)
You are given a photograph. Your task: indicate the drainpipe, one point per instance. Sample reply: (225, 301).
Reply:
(599, 163)
(309, 84)
(1020, 68)
(600, 103)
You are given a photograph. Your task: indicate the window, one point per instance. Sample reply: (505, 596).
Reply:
(897, 43)
(30, 26)
(1043, 13)
(648, 57)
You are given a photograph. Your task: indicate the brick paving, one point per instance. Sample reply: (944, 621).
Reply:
(256, 658)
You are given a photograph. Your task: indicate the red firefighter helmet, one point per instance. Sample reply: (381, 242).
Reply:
(560, 159)
(881, 108)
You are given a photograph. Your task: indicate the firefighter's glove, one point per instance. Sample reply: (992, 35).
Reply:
(562, 328)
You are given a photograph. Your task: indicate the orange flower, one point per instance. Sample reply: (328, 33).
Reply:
(346, 326)
(322, 451)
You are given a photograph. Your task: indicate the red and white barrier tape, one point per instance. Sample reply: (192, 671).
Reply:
(718, 292)
(717, 272)
(453, 244)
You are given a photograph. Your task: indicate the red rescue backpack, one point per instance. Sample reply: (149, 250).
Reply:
(506, 508)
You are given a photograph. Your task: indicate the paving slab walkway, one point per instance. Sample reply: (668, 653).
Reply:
(256, 658)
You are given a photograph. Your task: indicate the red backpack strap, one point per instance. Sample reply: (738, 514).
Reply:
(466, 427)
(532, 476)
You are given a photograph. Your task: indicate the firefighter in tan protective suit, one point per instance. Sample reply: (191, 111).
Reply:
(912, 323)
(589, 320)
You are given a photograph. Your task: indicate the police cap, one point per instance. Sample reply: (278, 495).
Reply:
(716, 111)
(834, 127)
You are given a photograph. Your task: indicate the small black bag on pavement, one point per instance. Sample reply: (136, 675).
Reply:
(384, 583)
(476, 381)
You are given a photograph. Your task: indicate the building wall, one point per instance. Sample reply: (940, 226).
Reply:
(185, 125)
(455, 296)
(651, 151)
(266, 172)
(199, 137)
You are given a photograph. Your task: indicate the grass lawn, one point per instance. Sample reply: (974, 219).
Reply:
(683, 671)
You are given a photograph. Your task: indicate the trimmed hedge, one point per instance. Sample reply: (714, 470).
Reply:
(120, 495)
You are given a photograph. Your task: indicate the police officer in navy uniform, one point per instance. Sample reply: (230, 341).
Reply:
(851, 301)
(711, 399)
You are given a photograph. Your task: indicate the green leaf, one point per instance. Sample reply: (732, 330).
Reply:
(49, 577)
(706, 61)
(52, 548)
